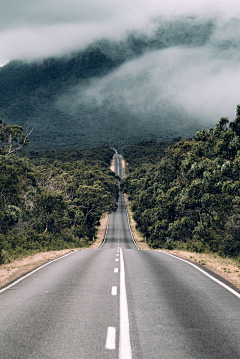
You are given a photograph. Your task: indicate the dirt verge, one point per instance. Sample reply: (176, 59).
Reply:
(137, 235)
(227, 268)
(112, 165)
(101, 232)
(20, 266)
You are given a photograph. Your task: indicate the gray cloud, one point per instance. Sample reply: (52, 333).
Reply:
(187, 65)
(31, 29)
(175, 59)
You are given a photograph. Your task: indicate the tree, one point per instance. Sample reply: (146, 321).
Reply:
(49, 209)
(193, 194)
(12, 138)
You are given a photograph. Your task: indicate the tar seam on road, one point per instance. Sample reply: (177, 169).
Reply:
(208, 275)
(35, 270)
(125, 351)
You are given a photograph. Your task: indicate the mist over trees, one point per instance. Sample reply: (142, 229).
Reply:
(104, 94)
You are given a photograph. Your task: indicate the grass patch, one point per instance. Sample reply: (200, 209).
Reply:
(101, 232)
(138, 236)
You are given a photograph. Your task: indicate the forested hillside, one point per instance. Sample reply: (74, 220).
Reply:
(99, 95)
(52, 200)
(145, 153)
(191, 198)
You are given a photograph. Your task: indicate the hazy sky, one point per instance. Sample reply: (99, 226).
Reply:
(32, 29)
(203, 80)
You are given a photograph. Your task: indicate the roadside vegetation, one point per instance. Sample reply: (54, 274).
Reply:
(189, 199)
(51, 200)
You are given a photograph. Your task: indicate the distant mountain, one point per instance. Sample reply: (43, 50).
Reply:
(91, 98)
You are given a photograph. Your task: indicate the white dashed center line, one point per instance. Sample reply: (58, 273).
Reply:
(114, 290)
(111, 338)
(117, 260)
(115, 270)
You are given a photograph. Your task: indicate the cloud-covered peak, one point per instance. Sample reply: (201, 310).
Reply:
(157, 69)
(31, 29)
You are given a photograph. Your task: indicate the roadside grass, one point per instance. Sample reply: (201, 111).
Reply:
(20, 266)
(123, 165)
(138, 236)
(112, 165)
(228, 268)
(101, 232)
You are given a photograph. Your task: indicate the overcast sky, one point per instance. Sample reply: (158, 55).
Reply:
(31, 29)
(203, 80)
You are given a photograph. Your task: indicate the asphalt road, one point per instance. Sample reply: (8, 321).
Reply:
(119, 302)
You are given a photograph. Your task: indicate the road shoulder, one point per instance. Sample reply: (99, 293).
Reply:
(18, 267)
(226, 268)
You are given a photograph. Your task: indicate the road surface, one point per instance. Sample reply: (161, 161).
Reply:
(119, 302)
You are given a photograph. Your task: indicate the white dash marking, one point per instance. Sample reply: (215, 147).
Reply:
(117, 254)
(115, 270)
(114, 290)
(117, 260)
(111, 338)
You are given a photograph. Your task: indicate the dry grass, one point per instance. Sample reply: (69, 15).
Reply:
(138, 236)
(123, 165)
(112, 165)
(20, 266)
(227, 268)
(101, 232)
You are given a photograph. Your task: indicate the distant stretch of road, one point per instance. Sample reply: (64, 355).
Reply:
(119, 302)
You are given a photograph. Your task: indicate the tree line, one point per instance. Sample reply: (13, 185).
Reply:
(191, 198)
(51, 200)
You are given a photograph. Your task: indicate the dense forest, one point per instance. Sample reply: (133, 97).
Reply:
(51, 200)
(145, 153)
(191, 198)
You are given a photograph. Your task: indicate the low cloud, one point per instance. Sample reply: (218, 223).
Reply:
(31, 29)
(179, 62)
(197, 78)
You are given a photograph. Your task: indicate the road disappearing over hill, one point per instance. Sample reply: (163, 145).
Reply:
(119, 302)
